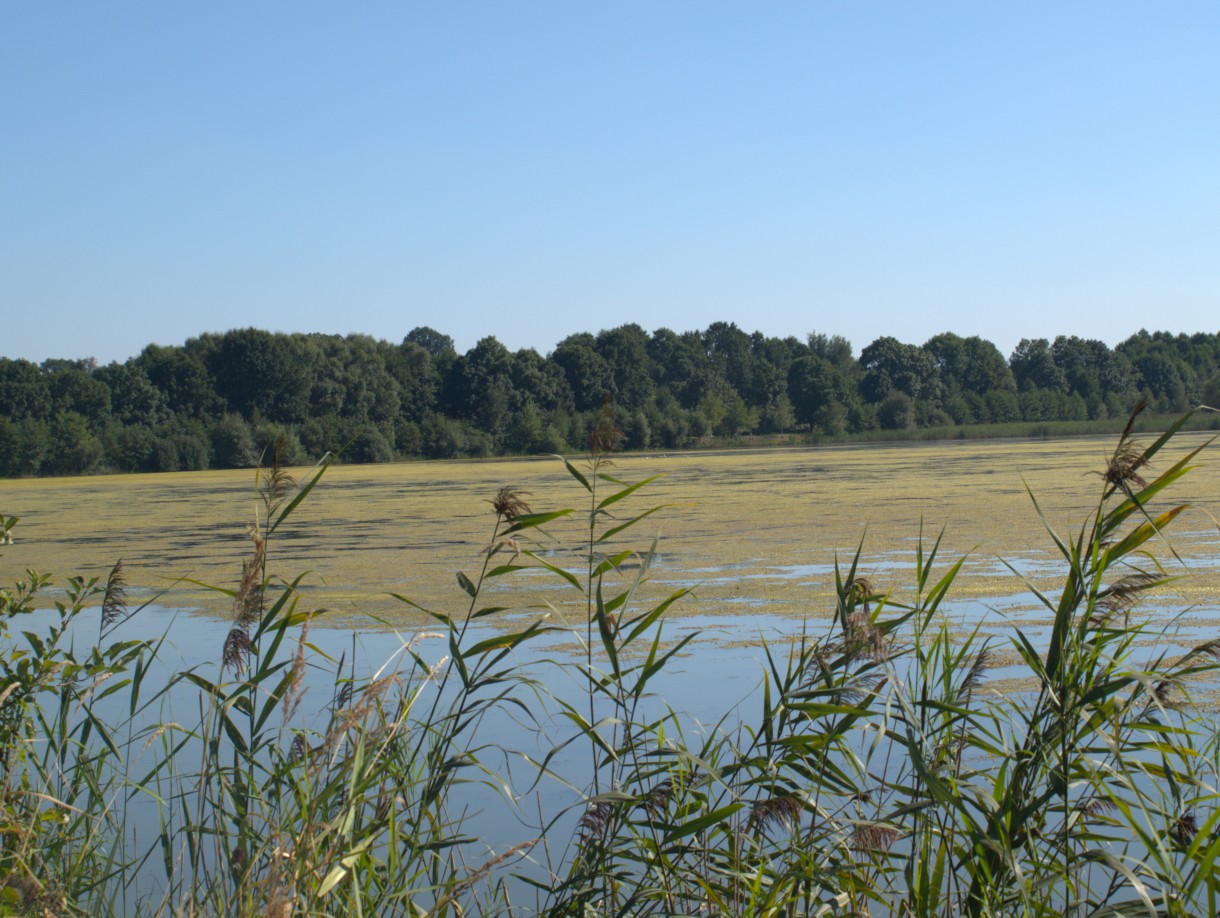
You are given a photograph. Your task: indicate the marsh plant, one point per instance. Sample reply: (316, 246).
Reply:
(879, 773)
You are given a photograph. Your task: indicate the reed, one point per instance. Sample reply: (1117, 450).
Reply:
(878, 774)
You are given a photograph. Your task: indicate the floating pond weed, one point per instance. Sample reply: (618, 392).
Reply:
(877, 770)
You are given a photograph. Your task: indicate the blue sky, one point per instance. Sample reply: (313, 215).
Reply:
(529, 170)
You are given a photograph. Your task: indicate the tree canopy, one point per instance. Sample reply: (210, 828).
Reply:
(218, 400)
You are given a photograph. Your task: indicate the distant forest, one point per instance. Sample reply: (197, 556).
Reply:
(219, 399)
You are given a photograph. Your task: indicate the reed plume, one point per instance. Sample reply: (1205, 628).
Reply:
(114, 598)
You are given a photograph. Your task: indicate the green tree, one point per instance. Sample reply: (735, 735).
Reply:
(1002, 406)
(628, 367)
(480, 388)
(1095, 373)
(24, 446)
(129, 448)
(831, 419)
(890, 366)
(322, 434)
(24, 392)
(678, 365)
(181, 377)
(180, 450)
(675, 429)
(370, 391)
(813, 383)
(437, 345)
(133, 397)
(777, 415)
(729, 355)
(233, 443)
(75, 449)
(712, 411)
(256, 372)
(525, 433)
(738, 418)
(1161, 377)
(540, 381)
(1033, 366)
(408, 441)
(637, 429)
(586, 373)
(445, 438)
(367, 444)
(896, 411)
(1211, 391)
(269, 436)
(970, 364)
(835, 349)
(72, 389)
(419, 379)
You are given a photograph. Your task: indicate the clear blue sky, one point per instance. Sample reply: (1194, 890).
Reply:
(529, 170)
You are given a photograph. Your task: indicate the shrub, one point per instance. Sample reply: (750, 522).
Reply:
(74, 448)
(368, 444)
(233, 444)
(269, 436)
(896, 411)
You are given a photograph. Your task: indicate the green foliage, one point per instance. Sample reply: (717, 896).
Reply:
(24, 446)
(442, 438)
(889, 366)
(896, 411)
(970, 364)
(816, 386)
(181, 451)
(876, 775)
(585, 372)
(368, 444)
(133, 397)
(74, 448)
(61, 843)
(233, 443)
(256, 371)
(673, 390)
(73, 389)
(625, 352)
(181, 375)
(24, 392)
(1172, 370)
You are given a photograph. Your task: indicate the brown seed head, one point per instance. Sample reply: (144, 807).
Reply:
(657, 799)
(274, 482)
(782, 810)
(114, 600)
(1184, 829)
(1096, 806)
(596, 820)
(510, 503)
(1123, 594)
(864, 638)
(236, 650)
(1123, 469)
(870, 837)
(606, 435)
(975, 675)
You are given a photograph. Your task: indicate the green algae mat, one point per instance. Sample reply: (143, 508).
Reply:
(747, 531)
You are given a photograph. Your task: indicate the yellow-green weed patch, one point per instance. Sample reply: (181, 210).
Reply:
(749, 530)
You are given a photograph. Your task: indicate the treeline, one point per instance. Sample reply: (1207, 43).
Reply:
(219, 399)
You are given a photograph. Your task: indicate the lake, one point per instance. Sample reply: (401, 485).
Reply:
(750, 531)
(754, 536)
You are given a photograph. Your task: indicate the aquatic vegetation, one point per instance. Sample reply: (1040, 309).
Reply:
(878, 774)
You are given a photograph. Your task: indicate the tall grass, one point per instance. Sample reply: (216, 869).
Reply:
(878, 775)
